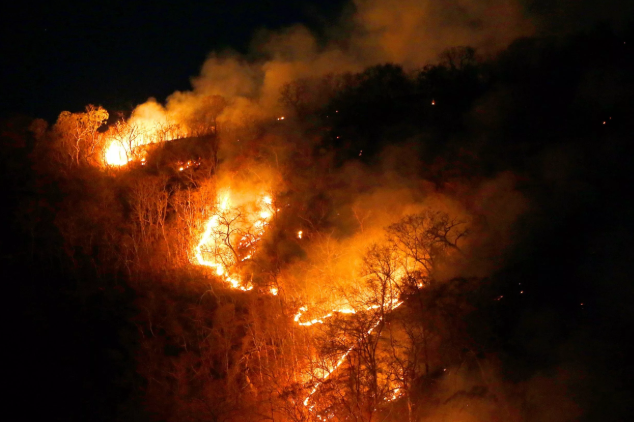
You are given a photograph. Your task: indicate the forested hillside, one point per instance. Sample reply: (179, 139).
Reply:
(450, 243)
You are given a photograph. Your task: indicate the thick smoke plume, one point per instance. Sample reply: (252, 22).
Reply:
(406, 32)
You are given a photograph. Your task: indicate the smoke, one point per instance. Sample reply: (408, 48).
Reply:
(477, 391)
(343, 211)
(410, 33)
(562, 16)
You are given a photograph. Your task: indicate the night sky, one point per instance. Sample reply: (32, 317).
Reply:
(64, 55)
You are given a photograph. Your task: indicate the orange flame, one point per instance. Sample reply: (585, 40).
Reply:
(116, 155)
(210, 241)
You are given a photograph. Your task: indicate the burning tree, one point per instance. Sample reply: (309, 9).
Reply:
(125, 140)
(230, 237)
(77, 134)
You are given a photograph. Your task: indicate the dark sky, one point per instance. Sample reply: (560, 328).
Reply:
(63, 55)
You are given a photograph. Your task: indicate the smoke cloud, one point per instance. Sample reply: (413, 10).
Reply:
(410, 33)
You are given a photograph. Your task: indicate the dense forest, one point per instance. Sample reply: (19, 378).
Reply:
(445, 244)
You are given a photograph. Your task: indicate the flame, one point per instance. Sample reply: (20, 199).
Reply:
(148, 124)
(211, 241)
(116, 155)
(343, 357)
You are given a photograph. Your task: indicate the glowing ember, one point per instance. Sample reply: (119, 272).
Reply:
(299, 234)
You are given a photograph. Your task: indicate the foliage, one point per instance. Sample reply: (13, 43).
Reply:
(77, 135)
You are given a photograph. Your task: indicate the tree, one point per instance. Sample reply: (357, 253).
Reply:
(148, 202)
(306, 96)
(125, 140)
(192, 208)
(458, 58)
(423, 238)
(78, 133)
(358, 387)
(386, 346)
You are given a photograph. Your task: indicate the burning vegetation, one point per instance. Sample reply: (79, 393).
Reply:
(340, 253)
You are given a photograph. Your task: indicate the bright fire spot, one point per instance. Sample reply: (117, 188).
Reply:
(299, 234)
(395, 395)
(116, 155)
(273, 291)
(433, 102)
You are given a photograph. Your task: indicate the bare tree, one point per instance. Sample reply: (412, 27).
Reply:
(457, 58)
(78, 133)
(423, 238)
(148, 202)
(127, 137)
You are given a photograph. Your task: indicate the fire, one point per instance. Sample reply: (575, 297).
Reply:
(116, 155)
(343, 358)
(216, 249)
(148, 124)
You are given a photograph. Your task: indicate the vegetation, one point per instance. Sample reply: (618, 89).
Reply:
(454, 311)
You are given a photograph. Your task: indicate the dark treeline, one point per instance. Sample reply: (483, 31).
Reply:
(108, 319)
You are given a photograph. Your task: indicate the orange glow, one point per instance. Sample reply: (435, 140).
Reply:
(148, 124)
(216, 249)
(116, 155)
(342, 359)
